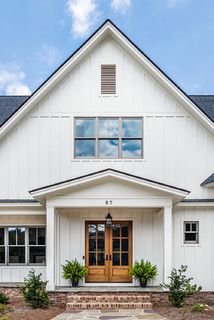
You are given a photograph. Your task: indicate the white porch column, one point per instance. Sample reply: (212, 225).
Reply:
(167, 226)
(50, 254)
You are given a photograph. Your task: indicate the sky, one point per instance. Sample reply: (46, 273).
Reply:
(38, 35)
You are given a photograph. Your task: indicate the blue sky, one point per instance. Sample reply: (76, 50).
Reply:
(38, 35)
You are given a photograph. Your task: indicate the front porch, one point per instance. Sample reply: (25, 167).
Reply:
(73, 205)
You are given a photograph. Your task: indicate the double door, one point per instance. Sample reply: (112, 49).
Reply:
(108, 251)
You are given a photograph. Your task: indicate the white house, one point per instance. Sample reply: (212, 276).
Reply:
(107, 132)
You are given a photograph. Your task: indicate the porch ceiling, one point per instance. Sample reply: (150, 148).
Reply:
(112, 184)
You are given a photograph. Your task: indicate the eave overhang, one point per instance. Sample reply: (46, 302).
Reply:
(42, 193)
(209, 182)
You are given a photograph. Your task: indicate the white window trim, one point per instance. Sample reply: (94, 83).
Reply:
(190, 244)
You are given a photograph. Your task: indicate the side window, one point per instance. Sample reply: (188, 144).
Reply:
(37, 245)
(108, 79)
(16, 245)
(191, 232)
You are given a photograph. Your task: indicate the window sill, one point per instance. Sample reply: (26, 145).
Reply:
(192, 245)
(107, 160)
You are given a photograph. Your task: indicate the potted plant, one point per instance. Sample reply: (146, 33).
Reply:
(74, 272)
(143, 271)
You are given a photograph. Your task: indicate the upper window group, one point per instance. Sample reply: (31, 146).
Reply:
(108, 138)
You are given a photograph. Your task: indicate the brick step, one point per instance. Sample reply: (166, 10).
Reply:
(108, 298)
(108, 305)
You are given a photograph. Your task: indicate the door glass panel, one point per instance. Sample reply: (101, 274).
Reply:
(116, 230)
(100, 230)
(116, 245)
(101, 244)
(92, 244)
(101, 259)
(124, 230)
(124, 259)
(116, 259)
(124, 244)
(92, 258)
(92, 230)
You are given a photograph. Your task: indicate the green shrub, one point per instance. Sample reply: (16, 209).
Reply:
(3, 298)
(180, 287)
(143, 271)
(199, 307)
(73, 271)
(2, 309)
(34, 291)
(4, 318)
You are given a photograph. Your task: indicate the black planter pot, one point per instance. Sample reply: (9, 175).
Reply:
(143, 283)
(74, 283)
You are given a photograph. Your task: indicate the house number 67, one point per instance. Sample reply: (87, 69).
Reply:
(108, 202)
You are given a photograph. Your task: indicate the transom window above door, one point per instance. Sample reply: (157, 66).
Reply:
(109, 138)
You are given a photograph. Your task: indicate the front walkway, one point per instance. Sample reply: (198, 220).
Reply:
(111, 315)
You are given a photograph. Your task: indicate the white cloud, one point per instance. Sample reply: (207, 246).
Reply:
(120, 5)
(48, 55)
(12, 81)
(84, 14)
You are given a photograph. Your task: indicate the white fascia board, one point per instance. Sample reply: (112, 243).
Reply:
(84, 180)
(20, 204)
(169, 85)
(195, 204)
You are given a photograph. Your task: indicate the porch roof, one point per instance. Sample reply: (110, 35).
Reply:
(41, 193)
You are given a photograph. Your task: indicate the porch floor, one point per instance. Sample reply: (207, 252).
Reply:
(108, 289)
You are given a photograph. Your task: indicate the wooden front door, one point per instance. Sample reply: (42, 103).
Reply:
(108, 251)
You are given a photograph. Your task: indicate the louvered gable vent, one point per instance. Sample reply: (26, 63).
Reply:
(108, 79)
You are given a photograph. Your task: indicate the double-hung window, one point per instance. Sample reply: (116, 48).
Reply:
(37, 248)
(22, 245)
(109, 137)
(16, 245)
(191, 232)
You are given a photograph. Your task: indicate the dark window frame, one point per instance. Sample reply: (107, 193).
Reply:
(120, 138)
(26, 246)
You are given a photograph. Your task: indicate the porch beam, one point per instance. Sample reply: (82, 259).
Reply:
(167, 226)
(50, 263)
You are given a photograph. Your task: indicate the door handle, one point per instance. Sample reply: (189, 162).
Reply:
(110, 257)
(106, 257)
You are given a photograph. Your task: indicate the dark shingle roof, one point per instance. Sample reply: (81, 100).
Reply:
(209, 180)
(206, 103)
(9, 105)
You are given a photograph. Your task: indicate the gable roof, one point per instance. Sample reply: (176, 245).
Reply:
(107, 27)
(209, 182)
(40, 193)
(9, 105)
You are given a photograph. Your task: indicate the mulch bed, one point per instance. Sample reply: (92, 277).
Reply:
(17, 309)
(164, 308)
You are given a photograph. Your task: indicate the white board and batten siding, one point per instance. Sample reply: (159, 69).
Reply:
(40, 150)
(147, 236)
